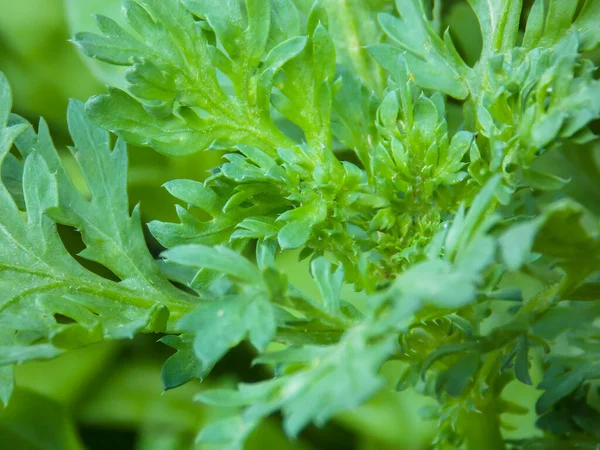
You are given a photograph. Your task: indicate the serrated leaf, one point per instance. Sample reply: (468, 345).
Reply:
(196, 194)
(330, 283)
(255, 228)
(36, 266)
(222, 324)
(220, 259)
(179, 104)
(299, 222)
(225, 18)
(125, 117)
(190, 230)
(120, 52)
(230, 433)
(218, 327)
(424, 50)
(516, 243)
(258, 79)
(183, 366)
(353, 121)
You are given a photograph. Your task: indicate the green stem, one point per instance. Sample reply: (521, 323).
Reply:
(482, 431)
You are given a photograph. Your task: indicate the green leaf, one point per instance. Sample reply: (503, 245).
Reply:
(191, 230)
(230, 433)
(7, 384)
(353, 121)
(426, 242)
(423, 50)
(299, 222)
(262, 323)
(544, 181)
(282, 53)
(535, 25)
(255, 228)
(558, 19)
(183, 366)
(259, 21)
(390, 57)
(342, 377)
(323, 56)
(274, 61)
(546, 129)
(5, 101)
(285, 21)
(437, 283)
(446, 350)
(465, 227)
(218, 327)
(562, 387)
(12, 178)
(516, 243)
(499, 22)
(119, 51)
(226, 19)
(457, 378)
(220, 259)
(294, 234)
(569, 231)
(224, 323)
(522, 361)
(329, 389)
(586, 24)
(124, 116)
(7, 381)
(196, 194)
(40, 280)
(176, 102)
(330, 284)
(80, 18)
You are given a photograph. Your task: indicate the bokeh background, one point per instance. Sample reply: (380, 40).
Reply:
(109, 395)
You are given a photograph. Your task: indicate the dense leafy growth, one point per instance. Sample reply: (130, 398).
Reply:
(445, 246)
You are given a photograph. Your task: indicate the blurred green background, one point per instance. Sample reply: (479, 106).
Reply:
(109, 395)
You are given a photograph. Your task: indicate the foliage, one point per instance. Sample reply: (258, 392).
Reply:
(338, 147)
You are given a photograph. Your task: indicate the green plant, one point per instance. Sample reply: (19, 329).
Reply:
(354, 165)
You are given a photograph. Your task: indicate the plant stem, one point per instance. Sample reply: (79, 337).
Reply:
(482, 431)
